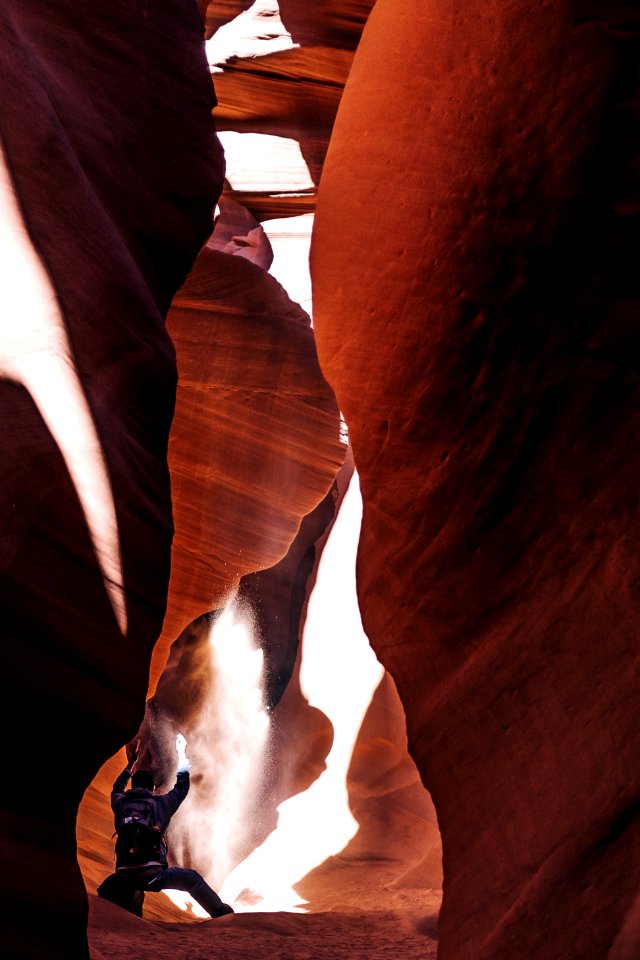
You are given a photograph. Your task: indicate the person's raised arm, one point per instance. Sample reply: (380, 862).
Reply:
(121, 781)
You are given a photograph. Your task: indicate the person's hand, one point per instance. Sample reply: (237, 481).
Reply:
(181, 746)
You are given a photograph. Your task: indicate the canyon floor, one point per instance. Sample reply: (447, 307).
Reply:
(351, 935)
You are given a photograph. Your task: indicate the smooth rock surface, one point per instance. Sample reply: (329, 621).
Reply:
(480, 333)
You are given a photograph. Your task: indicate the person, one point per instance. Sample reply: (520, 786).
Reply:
(127, 886)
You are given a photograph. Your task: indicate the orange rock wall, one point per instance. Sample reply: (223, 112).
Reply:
(476, 309)
(478, 332)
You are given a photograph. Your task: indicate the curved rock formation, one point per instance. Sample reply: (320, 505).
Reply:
(475, 301)
(292, 93)
(271, 603)
(265, 428)
(237, 232)
(479, 332)
(255, 440)
(106, 127)
(255, 444)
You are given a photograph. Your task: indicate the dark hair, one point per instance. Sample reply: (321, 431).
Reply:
(142, 778)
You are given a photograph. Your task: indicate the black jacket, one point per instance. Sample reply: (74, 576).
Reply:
(165, 805)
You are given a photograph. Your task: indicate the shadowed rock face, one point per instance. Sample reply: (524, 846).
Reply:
(479, 335)
(117, 212)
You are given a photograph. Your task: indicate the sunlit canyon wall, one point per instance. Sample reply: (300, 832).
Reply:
(481, 334)
(474, 306)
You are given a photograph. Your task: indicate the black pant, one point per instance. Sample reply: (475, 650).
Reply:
(127, 888)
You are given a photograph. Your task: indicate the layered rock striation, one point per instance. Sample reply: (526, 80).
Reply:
(475, 309)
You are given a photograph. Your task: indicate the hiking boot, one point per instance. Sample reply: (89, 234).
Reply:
(224, 910)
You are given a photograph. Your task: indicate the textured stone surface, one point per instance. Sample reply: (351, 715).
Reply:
(479, 335)
(292, 93)
(109, 141)
(394, 858)
(254, 446)
(373, 934)
(255, 440)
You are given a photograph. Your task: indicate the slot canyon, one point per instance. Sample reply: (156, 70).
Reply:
(319, 392)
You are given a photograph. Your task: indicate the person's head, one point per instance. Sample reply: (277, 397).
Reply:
(142, 778)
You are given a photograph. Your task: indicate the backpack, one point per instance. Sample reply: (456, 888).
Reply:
(139, 838)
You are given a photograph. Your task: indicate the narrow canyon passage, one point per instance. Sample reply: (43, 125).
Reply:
(263, 261)
(318, 787)
(306, 798)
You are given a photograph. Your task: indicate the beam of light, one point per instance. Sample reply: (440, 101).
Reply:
(255, 32)
(35, 351)
(227, 750)
(290, 239)
(339, 675)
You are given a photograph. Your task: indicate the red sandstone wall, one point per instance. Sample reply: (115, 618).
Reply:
(254, 443)
(106, 122)
(476, 314)
(478, 329)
